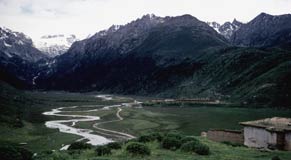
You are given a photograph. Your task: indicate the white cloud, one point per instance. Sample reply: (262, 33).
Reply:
(83, 17)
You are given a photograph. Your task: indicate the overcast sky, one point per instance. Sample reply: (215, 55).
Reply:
(83, 17)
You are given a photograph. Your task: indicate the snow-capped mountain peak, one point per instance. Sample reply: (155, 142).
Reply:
(54, 45)
(17, 44)
(227, 29)
(214, 25)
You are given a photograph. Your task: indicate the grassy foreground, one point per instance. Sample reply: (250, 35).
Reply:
(218, 151)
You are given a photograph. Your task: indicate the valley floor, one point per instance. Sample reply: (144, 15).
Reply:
(189, 120)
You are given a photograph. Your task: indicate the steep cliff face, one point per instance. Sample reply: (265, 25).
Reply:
(17, 44)
(17, 58)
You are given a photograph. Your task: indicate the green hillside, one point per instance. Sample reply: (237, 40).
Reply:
(242, 75)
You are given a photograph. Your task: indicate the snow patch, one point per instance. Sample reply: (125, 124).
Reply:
(8, 54)
(7, 45)
(54, 45)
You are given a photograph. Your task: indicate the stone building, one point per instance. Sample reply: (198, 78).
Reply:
(271, 133)
(223, 135)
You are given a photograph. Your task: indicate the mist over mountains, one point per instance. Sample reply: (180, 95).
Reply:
(163, 56)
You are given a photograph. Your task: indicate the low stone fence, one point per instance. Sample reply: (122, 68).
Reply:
(233, 136)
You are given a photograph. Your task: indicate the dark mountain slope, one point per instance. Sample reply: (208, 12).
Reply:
(172, 57)
(264, 31)
(17, 58)
(245, 75)
(144, 56)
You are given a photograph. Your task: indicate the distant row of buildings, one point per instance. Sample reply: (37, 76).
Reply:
(185, 100)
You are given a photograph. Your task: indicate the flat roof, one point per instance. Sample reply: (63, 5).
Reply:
(276, 124)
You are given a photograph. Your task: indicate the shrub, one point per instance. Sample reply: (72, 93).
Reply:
(79, 146)
(9, 153)
(14, 153)
(25, 154)
(18, 123)
(202, 149)
(174, 135)
(157, 136)
(131, 140)
(114, 145)
(189, 146)
(150, 137)
(172, 143)
(47, 152)
(100, 158)
(276, 158)
(188, 139)
(55, 156)
(103, 150)
(195, 146)
(146, 138)
(136, 148)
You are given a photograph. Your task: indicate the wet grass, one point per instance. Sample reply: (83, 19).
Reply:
(37, 137)
(190, 120)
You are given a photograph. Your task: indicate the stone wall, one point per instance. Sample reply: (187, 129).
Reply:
(225, 136)
(259, 138)
(287, 145)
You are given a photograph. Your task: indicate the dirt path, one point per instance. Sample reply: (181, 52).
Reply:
(117, 134)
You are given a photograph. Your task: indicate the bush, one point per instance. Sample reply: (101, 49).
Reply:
(25, 154)
(174, 135)
(79, 146)
(18, 123)
(9, 153)
(103, 150)
(188, 139)
(146, 138)
(276, 158)
(189, 146)
(172, 143)
(14, 153)
(114, 145)
(202, 149)
(157, 136)
(136, 148)
(131, 140)
(195, 146)
(150, 137)
(53, 156)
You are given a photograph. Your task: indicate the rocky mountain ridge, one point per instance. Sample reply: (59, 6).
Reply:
(172, 57)
(227, 29)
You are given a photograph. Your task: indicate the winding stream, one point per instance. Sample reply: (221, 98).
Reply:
(68, 126)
